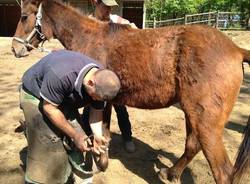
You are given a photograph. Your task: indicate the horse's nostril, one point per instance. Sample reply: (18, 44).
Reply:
(21, 52)
(17, 55)
(13, 50)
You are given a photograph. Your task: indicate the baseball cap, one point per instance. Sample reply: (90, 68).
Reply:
(110, 2)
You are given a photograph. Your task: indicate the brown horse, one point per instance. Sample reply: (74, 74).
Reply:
(197, 66)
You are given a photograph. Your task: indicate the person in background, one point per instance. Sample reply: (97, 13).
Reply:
(102, 12)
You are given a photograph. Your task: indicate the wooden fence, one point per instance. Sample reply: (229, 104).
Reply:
(220, 20)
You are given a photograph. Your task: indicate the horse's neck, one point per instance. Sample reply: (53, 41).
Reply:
(69, 27)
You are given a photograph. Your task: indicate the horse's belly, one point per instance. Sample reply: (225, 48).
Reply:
(150, 99)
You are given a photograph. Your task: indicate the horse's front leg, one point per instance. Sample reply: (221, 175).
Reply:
(103, 161)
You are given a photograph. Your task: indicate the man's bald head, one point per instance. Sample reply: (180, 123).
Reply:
(106, 83)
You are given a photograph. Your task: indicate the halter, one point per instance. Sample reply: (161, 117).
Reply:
(36, 30)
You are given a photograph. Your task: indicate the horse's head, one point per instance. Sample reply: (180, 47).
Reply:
(32, 28)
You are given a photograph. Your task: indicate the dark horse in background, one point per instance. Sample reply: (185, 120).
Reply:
(197, 66)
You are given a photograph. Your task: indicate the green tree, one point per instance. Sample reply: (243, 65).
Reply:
(167, 9)
(244, 7)
(163, 9)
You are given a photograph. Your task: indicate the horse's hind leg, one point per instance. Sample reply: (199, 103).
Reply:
(204, 131)
(210, 138)
(192, 147)
(209, 119)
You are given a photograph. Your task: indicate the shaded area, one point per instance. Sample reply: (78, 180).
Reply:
(143, 161)
(245, 85)
(23, 155)
(246, 76)
(243, 100)
(236, 126)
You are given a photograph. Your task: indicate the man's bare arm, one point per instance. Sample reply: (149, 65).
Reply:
(58, 119)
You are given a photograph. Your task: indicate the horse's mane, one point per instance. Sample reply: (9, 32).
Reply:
(69, 6)
(112, 27)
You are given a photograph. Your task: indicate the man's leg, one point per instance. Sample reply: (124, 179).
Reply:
(47, 160)
(125, 127)
(85, 121)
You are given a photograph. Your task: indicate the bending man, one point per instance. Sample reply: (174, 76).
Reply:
(52, 91)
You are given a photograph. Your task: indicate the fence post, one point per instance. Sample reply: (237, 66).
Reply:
(248, 23)
(185, 20)
(154, 23)
(209, 18)
(217, 20)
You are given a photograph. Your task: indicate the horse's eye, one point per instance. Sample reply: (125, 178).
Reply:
(24, 18)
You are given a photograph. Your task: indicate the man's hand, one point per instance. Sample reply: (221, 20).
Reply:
(81, 141)
(99, 144)
(58, 119)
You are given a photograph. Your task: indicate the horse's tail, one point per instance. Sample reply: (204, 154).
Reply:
(246, 55)
(242, 163)
(246, 58)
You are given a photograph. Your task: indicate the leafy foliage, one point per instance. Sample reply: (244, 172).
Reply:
(167, 9)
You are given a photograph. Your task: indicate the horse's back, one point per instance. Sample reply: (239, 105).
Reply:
(150, 56)
(166, 60)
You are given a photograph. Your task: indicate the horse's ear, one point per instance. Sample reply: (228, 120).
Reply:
(30, 6)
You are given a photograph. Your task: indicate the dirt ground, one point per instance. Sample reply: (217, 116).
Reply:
(159, 135)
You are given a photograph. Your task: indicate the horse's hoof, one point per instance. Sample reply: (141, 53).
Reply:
(101, 161)
(165, 175)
